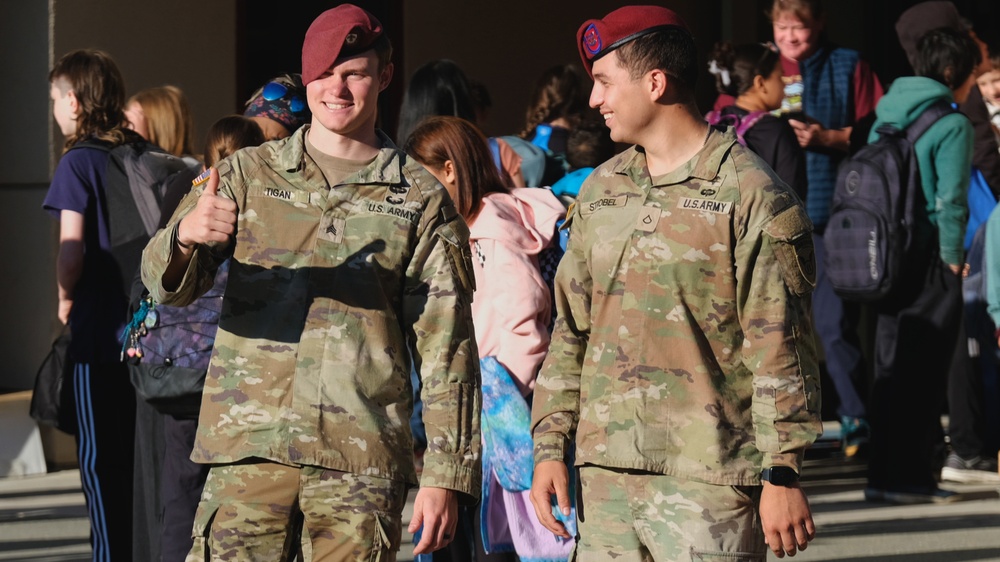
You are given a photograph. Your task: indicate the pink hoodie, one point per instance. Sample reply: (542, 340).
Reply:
(512, 308)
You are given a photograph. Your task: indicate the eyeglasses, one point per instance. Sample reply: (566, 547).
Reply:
(276, 91)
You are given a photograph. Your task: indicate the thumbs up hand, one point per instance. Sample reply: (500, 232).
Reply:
(213, 220)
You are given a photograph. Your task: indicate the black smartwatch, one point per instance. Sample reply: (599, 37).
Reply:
(779, 475)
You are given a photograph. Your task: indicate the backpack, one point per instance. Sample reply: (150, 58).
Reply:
(134, 185)
(740, 124)
(876, 202)
(548, 263)
(168, 348)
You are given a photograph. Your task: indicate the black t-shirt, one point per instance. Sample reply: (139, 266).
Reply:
(774, 141)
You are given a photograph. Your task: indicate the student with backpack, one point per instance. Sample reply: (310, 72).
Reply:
(752, 75)
(511, 313)
(88, 97)
(168, 354)
(918, 320)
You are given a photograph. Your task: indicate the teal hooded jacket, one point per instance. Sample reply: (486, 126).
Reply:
(944, 156)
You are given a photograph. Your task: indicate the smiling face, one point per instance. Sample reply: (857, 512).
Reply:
(989, 85)
(344, 100)
(796, 38)
(622, 101)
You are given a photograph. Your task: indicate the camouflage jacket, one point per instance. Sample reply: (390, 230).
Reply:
(683, 343)
(331, 291)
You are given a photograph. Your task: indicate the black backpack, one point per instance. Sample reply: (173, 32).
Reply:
(135, 182)
(875, 206)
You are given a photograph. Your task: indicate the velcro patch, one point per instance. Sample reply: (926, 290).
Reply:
(589, 207)
(647, 219)
(708, 205)
(392, 211)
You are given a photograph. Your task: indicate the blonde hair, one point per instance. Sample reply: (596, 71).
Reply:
(805, 10)
(168, 118)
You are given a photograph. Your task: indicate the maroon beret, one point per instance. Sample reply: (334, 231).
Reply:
(338, 32)
(597, 38)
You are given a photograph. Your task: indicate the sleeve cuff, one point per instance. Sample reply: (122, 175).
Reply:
(792, 459)
(441, 471)
(550, 447)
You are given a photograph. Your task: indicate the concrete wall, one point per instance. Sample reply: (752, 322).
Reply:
(27, 287)
(188, 43)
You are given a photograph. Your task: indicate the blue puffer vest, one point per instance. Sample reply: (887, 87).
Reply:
(828, 96)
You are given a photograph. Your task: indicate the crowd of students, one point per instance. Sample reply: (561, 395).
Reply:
(347, 365)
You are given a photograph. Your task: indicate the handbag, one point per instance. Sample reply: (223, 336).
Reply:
(53, 402)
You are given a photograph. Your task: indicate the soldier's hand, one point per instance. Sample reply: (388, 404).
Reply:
(213, 220)
(551, 477)
(786, 518)
(436, 509)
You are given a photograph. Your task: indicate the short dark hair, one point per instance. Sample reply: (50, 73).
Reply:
(671, 50)
(946, 55)
(589, 144)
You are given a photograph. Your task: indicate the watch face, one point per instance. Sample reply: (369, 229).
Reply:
(780, 475)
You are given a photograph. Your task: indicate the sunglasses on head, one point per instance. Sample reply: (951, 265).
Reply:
(276, 91)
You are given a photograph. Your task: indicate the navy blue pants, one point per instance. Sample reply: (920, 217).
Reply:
(105, 412)
(836, 325)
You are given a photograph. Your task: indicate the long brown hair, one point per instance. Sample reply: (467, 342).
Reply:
(168, 118)
(439, 139)
(559, 93)
(95, 80)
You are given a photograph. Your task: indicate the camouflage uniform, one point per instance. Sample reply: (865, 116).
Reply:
(683, 344)
(331, 291)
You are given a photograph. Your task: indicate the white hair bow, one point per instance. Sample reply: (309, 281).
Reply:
(722, 73)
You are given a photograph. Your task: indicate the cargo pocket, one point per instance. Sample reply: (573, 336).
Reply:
(385, 527)
(790, 233)
(199, 532)
(710, 556)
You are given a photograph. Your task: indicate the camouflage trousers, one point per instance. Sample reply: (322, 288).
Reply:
(638, 517)
(252, 512)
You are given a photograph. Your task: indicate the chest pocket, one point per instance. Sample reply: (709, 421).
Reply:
(277, 227)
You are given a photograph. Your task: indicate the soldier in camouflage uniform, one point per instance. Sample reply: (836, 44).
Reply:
(348, 259)
(683, 361)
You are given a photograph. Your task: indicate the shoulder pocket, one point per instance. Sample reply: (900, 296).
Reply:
(790, 232)
(455, 235)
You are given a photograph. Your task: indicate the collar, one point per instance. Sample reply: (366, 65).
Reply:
(704, 165)
(387, 167)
